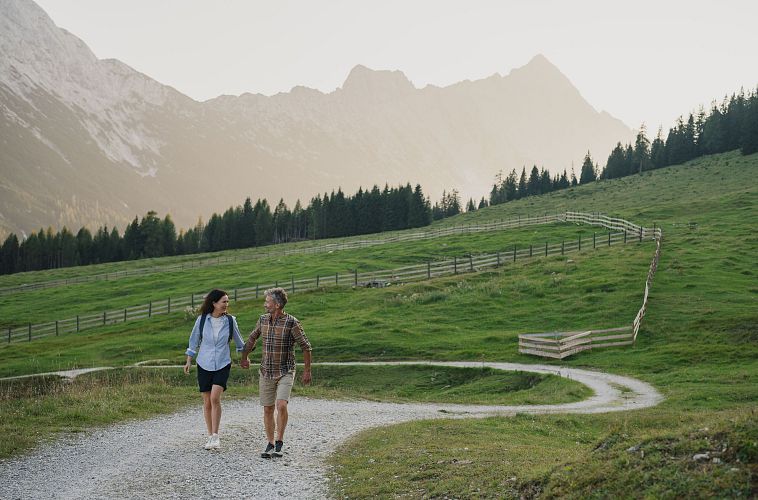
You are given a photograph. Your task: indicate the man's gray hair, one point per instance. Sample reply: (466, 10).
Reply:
(279, 295)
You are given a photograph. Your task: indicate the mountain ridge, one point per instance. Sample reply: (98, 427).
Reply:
(104, 142)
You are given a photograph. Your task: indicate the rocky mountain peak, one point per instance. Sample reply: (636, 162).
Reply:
(362, 79)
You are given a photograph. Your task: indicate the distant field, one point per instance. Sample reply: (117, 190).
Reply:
(698, 344)
(67, 301)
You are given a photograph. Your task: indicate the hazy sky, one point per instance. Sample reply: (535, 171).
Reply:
(642, 61)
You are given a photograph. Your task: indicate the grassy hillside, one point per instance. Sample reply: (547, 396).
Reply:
(64, 302)
(698, 344)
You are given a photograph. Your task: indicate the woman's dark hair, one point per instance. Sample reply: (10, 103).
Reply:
(213, 296)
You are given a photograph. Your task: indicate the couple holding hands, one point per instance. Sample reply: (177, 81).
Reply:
(279, 332)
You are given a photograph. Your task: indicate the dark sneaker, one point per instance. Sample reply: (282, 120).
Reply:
(267, 452)
(278, 449)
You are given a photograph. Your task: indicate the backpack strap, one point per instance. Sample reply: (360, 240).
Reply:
(231, 326)
(202, 324)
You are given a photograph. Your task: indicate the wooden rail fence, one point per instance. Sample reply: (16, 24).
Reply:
(560, 345)
(260, 253)
(625, 232)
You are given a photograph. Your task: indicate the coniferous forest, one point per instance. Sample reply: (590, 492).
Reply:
(730, 125)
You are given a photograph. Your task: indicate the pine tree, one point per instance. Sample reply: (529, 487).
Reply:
(151, 235)
(247, 229)
(264, 233)
(470, 207)
(522, 191)
(658, 151)
(546, 184)
(453, 204)
(168, 236)
(641, 155)
(9, 255)
(533, 185)
(749, 138)
(85, 247)
(131, 244)
(419, 213)
(495, 195)
(511, 189)
(588, 170)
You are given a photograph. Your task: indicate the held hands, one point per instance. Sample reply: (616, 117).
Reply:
(244, 363)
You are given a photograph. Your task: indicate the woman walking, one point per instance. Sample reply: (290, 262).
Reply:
(213, 331)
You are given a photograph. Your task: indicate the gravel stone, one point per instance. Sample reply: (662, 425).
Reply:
(163, 457)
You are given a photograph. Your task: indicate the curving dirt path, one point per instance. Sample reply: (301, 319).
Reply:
(163, 457)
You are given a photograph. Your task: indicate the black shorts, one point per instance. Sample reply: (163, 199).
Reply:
(206, 380)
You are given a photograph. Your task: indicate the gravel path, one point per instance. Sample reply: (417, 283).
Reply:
(163, 457)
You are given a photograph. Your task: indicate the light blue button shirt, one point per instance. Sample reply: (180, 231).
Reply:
(214, 354)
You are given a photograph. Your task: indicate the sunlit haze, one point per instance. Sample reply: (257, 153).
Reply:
(642, 61)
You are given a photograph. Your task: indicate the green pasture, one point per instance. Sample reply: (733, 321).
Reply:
(698, 345)
(67, 301)
(467, 316)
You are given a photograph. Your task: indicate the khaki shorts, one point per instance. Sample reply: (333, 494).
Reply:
(272, 389)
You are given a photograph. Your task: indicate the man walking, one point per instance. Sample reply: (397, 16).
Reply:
(279, 332)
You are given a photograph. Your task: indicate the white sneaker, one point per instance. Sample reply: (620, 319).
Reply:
(209, 443)
(215, 442)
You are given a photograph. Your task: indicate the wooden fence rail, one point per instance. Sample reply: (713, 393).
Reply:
(559, 345)
(351, 244)
(470, 263)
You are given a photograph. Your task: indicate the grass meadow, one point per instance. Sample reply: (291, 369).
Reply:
(698, 345)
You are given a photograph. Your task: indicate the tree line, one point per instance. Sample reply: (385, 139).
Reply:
(243, 226)
(513, 186)
(730, 125)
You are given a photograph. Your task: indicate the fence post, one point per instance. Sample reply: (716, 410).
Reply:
(498, 259)
(546, 249)
(593, 240)
(104, 317)
(563, 247)
(355, 274)
(256, 291)
(580, 242)
(455, 265)
(514, 253)
(192, 301)
(317, 280)
(336, 278)
(609, 238)
(125, 314)
(77, 323)
(470, 262)
(530, 250)
(150, 309)
(624, 236)
(640, 234)
(9, 334)
(56, 327)
(428, 270)
(30, 332)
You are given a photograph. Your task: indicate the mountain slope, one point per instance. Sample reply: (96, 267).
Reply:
(88, 142)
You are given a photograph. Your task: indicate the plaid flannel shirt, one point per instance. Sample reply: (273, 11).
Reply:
(279, 338)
